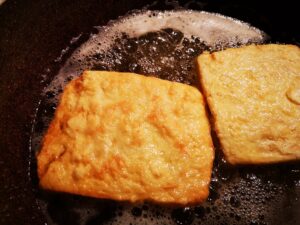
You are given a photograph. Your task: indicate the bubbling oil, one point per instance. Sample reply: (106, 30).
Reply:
(182, 33)
(165, 44)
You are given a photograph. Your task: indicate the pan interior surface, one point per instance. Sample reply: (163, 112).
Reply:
(165, 44)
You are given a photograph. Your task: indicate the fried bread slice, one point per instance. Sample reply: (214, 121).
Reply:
(253, 93)
(129, 137)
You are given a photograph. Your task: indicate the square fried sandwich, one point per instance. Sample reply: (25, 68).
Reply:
(253, 93)
(125, 136)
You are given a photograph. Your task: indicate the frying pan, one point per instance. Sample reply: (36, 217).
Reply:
(32, 37)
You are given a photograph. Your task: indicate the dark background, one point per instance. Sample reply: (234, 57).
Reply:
(32, 36)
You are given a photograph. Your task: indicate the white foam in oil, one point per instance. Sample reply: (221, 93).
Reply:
(212, 29)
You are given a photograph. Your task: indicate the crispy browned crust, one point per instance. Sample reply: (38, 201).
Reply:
(128, 137)
(252, 94)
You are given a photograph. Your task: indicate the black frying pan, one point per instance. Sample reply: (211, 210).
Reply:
(32, 36)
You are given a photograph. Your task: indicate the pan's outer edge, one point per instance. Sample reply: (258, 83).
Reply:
(32, 36)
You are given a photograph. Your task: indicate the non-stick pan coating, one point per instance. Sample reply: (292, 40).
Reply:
(32, 36)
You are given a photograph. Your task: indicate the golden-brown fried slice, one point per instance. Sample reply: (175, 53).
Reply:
(128, 137)
(254, 95)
